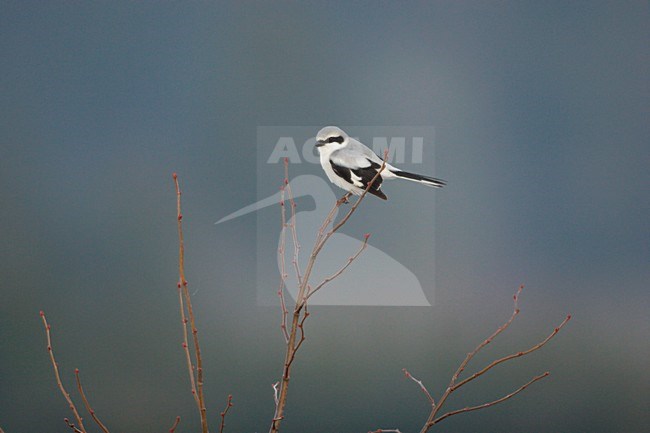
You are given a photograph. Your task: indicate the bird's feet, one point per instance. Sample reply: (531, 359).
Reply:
(343, 200)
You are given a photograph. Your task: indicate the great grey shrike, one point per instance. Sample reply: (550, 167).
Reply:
(351, 165)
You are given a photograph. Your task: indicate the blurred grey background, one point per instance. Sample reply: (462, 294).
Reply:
(542, 131)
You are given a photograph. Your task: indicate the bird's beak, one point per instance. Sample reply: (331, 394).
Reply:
(320, 143)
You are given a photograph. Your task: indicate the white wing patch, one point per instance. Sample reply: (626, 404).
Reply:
(356, 180)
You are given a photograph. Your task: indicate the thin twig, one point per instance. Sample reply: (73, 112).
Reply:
(422, 387)
(186, 295)
(301, 328)
(500, 329)
(87, 404)
(294, 233)
(66, 395)
(383, 430)
(342, 269)
(72, 426)
(281, 256)
(492, 403)
(181, 302)
(512, 356)
(186, 347)
(176, 422)
(224, 413)
(285, 313)
(330, 217)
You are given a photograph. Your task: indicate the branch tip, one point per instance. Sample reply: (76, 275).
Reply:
(173, 427)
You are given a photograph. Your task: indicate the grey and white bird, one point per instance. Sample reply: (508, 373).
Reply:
(351, 165)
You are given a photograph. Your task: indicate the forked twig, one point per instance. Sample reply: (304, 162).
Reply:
(224, 413)
(500, 329)
(65, 393)
(301, 328)
(454, 385)
(300, 311)
(197, 382)
(72, 426)
(492, 403)
(351, 259)
(87, 404)
(513, 356)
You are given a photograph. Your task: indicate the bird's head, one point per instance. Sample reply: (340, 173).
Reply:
(331, 138)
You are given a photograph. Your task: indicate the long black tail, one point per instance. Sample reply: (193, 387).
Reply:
(426, 180)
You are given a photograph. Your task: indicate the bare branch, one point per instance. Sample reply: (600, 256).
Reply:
(488, 340)
(292, 226)
(224, 413)
(299, 312)
(281, 260)
(181, 302)
(382, 430)
(72, 426)
(87, 404)
(176, 422)
(513, 356)
(454, 385)
(301, 327)
(422, 387)
(343, 268)
(285, 313)
(186, 347)
(492, 403)
(65, 393)
(182, 282)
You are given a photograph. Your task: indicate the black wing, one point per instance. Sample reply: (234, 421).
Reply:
(365, 175)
